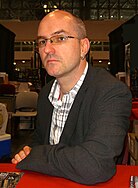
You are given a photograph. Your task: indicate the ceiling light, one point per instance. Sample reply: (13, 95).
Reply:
(45, 6)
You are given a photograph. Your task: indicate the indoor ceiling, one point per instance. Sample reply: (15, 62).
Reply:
(26, 10)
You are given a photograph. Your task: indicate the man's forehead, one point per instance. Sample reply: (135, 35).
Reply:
(57, 26)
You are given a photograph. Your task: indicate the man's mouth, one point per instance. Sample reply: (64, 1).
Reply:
(51, 60)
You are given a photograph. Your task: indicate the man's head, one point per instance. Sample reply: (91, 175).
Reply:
(62, 43)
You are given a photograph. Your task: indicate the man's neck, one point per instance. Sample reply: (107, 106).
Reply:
(68, 82)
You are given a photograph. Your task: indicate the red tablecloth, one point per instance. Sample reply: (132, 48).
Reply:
(134, 112)
(38, 180)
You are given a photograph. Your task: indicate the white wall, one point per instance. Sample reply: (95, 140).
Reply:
(99, 30)
(96, 30)
(23, 30)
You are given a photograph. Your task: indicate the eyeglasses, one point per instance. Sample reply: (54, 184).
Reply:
(58, 39)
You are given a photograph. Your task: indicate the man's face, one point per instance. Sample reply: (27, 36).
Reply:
(63, 58)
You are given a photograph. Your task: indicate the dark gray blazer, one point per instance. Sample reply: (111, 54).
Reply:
(93, 135)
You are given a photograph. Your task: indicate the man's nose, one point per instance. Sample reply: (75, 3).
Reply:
(49, 48)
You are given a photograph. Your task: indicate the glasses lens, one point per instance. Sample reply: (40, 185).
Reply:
(57, 39)
(41, 42)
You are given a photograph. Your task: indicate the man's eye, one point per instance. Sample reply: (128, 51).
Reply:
(61, 38)
(41, 42)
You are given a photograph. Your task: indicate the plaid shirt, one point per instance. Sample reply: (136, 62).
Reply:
(62, 107)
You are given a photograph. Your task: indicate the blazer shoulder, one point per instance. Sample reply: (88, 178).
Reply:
(100, 76)
(102, 80)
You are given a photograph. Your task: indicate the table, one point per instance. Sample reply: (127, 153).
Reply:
(37, 180)
(134, 112)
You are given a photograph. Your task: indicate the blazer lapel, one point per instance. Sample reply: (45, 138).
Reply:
(74, 112)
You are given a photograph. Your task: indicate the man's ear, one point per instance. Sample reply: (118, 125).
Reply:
(85, 45)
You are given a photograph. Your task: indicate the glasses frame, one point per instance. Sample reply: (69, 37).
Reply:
(57, 39)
